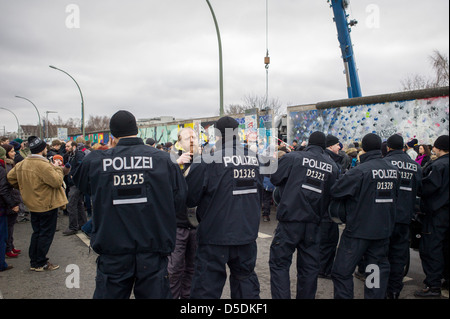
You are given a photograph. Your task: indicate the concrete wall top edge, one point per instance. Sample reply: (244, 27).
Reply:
(375, 99)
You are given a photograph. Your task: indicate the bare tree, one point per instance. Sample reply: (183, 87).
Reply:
(415, 82)
(255, 102)
(439, 62)
(59, 122)
(234, 109)
(72, 124)
(440, 65)
(97, 123)
(94, 123)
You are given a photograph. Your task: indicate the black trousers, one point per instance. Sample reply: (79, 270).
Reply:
(210, 272)
(398, 256)
(44, 227)
(291, 236)
(266, 202)
(349, 253)
(431, 250)
(144, 273)
(182, 262)
(329, 238)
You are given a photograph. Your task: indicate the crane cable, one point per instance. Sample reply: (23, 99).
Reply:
(267, 58)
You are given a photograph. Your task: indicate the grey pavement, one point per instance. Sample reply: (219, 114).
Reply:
(76, 260)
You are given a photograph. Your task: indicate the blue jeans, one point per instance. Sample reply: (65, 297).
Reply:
(3, 238)
(87, 228)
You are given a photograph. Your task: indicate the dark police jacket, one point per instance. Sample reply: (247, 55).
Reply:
(136, 191)
(410, 183)
(370, 192)
(74, 160)
(435, 185)
(304, 180)
(226, 187)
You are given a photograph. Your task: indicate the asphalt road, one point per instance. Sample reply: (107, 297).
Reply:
(75, 279)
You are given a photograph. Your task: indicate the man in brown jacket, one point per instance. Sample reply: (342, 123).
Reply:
(41, 186)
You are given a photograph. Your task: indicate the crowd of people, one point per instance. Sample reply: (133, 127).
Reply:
(423, 179)
(165, 219)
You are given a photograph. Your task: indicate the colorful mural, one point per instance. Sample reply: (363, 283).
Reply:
(161, 134)
(424, 119)
(102, 137)
(260, 127)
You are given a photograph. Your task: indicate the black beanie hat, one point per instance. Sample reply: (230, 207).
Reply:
(36, 145)
(123, 123)
(318, 138)
(226, 122)
(331, 140)
(371, 142)
(395, 142)
(412, 142)
(150, 141)
(16, 145)
(442, 142)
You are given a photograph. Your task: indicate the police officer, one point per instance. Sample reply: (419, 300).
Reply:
(226, 186)
(329, 231)
(304, 180)
(435, 205)
(410, 182)
(136, 191)
(333, 149)
(369, 192)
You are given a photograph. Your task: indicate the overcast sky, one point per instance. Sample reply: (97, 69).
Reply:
(160, 57)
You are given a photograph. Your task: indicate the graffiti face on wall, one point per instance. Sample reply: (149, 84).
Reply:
(424, 119)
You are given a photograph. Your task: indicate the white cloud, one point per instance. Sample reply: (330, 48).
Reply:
(161, 57)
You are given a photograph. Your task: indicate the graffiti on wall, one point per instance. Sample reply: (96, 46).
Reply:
(424, 119)
(259, 128)
(102, 137)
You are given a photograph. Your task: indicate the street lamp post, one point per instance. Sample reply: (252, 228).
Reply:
(220, 58)
(18, 125)
(46, 121)
(82, 100)
(39, 115)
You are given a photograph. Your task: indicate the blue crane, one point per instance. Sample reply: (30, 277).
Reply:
(344, 28)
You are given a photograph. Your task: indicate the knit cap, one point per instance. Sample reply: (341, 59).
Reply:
(58, 157)
(36, 145)
(123, 123)
(16, 145)
(2, 153)
(371, 142)
(318, 138)
(332, 140)
(412, 142)
(442, 142)
(224, 123)
(395, 142)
